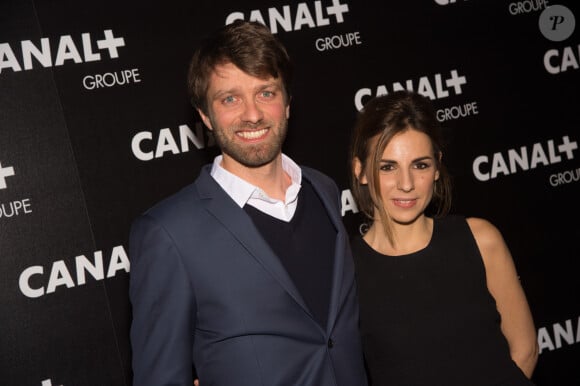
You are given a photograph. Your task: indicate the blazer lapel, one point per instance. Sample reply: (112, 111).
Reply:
(240, 225)
(340, 248)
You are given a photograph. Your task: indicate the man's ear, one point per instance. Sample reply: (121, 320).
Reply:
(358, 172)
(205, 119)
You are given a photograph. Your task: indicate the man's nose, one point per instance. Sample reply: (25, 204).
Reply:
(252, 112)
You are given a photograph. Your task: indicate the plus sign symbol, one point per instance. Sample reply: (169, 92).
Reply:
(7, 171)
(111, 43)
(48, 382)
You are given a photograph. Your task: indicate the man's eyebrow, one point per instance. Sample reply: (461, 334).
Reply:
(218, 93)
(272, 84)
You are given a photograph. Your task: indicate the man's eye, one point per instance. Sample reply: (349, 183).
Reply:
(267, 94)
(229, 99)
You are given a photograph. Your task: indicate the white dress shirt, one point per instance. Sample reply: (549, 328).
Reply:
(242, 192)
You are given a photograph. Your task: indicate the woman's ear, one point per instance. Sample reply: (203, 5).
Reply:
(439, 157)
(357, 169)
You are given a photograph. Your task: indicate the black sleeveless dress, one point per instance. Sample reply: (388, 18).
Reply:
(427, 318)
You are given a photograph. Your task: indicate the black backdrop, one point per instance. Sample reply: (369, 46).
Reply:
(96, 126)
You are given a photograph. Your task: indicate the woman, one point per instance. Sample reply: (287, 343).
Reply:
(440, 299)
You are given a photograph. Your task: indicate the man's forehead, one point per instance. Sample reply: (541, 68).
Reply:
(229, 70)
(233, 77)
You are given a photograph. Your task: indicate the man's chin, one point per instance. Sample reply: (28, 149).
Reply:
(254, 160)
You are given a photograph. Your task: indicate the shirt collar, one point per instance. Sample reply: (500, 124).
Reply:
(241, 191)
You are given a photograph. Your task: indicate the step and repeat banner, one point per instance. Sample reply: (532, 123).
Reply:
(96, 126)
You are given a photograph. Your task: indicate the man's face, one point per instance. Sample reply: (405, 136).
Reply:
(248, 116)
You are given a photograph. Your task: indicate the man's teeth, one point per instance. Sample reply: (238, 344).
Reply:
(252, 134)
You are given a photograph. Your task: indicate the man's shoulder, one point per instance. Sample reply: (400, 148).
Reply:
(173, 206)
(186, 200)
(319, 180)
(316, 176)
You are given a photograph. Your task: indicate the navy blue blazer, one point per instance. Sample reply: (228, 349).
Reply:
(206, 288)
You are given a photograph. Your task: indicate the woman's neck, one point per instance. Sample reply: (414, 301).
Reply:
(407, 238)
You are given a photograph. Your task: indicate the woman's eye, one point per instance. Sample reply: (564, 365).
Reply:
(422, 165)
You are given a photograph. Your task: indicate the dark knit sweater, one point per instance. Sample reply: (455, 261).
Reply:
(305, 246)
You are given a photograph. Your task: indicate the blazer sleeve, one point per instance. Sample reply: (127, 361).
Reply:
(163, 308)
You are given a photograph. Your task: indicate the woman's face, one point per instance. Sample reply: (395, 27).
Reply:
(407, 173)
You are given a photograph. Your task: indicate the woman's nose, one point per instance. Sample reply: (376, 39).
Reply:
(405, 181)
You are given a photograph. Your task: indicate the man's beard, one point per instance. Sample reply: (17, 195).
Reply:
(252, 155)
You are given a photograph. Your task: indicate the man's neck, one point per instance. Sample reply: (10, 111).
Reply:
(271, 178)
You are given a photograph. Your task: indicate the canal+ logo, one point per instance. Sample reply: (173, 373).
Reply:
(295, 17)
(434, 86)
(28, 55)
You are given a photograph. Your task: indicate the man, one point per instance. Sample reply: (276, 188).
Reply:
(247, 272)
